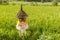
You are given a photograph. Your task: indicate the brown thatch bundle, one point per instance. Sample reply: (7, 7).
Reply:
(21, 14)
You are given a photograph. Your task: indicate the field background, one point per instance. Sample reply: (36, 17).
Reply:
(43, 20)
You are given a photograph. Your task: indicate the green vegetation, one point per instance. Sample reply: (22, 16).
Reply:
(4, 2)
(44, 22)
(54, 2)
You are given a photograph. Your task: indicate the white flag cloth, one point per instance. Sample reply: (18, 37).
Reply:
(22, 27)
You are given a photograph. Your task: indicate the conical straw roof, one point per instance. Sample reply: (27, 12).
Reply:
(21, 13)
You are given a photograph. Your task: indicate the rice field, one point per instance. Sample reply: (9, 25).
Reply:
(44, 22)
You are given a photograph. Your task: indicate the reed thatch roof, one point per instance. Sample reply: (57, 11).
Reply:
(21, 14)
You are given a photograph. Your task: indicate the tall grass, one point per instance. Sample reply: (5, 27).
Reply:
(42, 20)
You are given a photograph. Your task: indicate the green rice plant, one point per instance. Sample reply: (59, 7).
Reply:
(41, 19)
